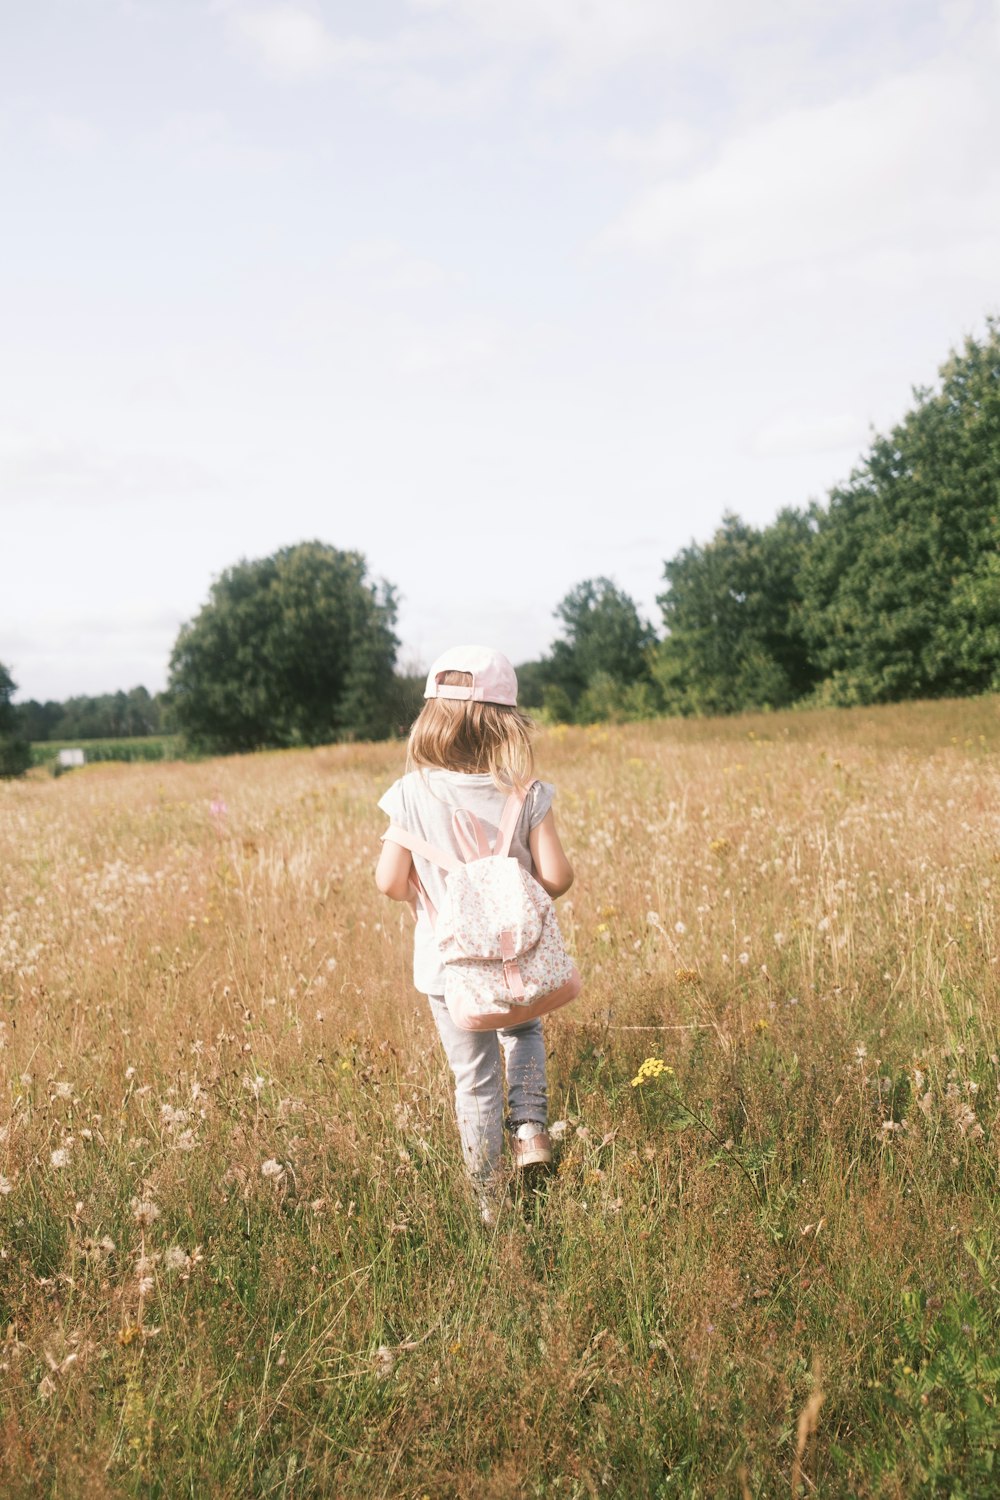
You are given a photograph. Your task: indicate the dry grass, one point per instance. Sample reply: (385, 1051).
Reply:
(236, 1252)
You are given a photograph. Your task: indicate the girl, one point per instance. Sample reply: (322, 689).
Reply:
(469, 748)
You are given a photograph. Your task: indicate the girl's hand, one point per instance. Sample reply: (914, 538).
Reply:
(553, 870)
(392, 873)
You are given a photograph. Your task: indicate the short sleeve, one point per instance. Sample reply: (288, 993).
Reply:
(393, 804)
(540, 800)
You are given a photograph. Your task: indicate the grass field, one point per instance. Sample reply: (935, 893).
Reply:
(237, 1256)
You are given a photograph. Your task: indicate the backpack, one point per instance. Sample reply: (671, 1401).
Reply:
(504, 957)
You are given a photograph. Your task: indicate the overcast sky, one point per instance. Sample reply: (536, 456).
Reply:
(505, 294)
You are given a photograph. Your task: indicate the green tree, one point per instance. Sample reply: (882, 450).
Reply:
(733, 616)
(294, 649)
(901, 591)
(602, 653)
(15, 751)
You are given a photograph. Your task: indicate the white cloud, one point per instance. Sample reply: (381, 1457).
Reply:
(206, 138)
(37, 467)
(670, 145)
(909, 163)
(593, 36)
(608, 30)
(73, 134)
(795, 433)
(434, 351)
(389, 266)
(292, 40)
(59, 655)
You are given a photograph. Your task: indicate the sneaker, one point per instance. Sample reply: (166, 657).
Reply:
(531, 1146)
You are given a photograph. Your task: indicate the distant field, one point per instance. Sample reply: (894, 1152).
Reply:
(237, 1256)
(137, 747)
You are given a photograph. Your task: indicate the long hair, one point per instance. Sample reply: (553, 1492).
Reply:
(456, 734)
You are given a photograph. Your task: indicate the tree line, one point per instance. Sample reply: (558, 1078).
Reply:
(890, 590)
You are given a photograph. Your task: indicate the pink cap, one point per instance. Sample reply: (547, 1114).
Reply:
(493, 678)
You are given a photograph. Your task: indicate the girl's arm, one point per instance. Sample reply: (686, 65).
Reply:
(553, 870)
(392, 873)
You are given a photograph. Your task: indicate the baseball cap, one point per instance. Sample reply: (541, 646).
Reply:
(493, 678)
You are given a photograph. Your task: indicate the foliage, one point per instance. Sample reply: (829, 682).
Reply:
(598, 668)
(108, 716)
(733, 617)
(15, 751)
(901, 588)
(130, 748)
(297, 648)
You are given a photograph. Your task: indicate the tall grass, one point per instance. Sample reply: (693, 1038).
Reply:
(237, 1255)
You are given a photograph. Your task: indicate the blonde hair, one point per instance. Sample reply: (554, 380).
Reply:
(456, 734)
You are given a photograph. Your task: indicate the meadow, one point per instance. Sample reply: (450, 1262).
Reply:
(237, 1255)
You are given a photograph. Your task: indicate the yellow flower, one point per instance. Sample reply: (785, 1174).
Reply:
(602, 927)
(760, 1025)
(686, 976)
(651, 1068)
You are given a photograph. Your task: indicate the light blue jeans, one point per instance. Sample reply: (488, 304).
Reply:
(475, 1060)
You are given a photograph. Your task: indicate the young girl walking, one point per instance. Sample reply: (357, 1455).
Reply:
(469, 748)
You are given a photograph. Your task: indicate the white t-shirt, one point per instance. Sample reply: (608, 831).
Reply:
(424, 802)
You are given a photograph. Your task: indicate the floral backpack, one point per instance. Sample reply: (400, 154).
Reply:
(504, 957)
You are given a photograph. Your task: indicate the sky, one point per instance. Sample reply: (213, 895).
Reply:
(504, 294)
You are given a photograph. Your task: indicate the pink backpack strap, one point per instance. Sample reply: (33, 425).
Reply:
(469, 836)
(509, 820)
(417, 845)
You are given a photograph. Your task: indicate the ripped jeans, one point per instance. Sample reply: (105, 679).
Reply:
(475, 1059)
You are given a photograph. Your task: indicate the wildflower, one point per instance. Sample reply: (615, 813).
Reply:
(651, 1068)
(5, 1186)
(653, 918)
(272, 1169)
(62, 1091)
(384, 1361)
(558, 1129)
(602, 927)
(60, 1157)
(744, 959)
(861, 1052)
(145, 1211)
(760, 1025)
(217, 807)
(176, 1259)
(720, 846)
(680, 929)
(686, 976)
